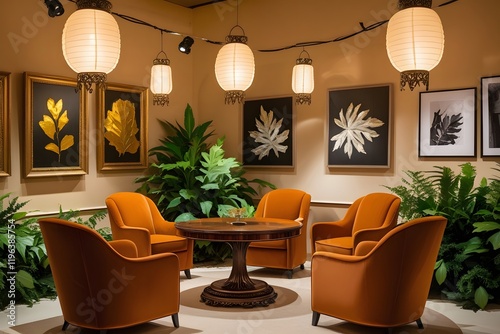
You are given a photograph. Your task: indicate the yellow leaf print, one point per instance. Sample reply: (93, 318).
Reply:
(53, 124)
(48, 126)
(121, 127)
(54, 108)
(67, 142)
(52, 147)
(63, 120)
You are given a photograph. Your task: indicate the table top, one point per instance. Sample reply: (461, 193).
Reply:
(229, 229)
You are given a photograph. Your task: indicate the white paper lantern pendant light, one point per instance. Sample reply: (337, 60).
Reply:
(415, 41)
(303, 78)
(91, 43)
(235, 67)
(161, 78)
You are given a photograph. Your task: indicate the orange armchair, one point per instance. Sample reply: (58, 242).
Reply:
(385, 283)
(135, 217)
(103, 285)
(282, 254)
(368, 218)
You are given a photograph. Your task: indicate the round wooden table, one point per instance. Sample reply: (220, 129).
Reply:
(239, 289)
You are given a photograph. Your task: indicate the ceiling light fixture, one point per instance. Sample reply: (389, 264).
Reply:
(415, 41)
(303, 79)
(185, 45)
(55, 8)
(161, 78)
(91, 42)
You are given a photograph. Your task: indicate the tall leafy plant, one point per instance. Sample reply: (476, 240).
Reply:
(25, 275)
(191, 178)
(468, 266)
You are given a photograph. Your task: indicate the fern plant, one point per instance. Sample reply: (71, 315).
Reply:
(468, 266)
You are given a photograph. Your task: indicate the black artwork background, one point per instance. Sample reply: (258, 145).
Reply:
(43, 158)
(111, 155)
(377, 100)
(282, 108)
(494, 114)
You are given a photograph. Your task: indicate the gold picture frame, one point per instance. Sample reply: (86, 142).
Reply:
(55, 144)
(4, 124)
(119, 147)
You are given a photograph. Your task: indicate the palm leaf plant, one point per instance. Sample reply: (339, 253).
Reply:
(468, 266)
(190, 178)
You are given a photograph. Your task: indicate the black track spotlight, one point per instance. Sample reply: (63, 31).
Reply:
(55, 8)
(185, 45)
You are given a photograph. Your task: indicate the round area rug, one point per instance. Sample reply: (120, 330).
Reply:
(434, 323)
(190, 299)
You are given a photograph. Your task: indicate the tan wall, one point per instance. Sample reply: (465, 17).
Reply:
(470, 53)
(38, 49)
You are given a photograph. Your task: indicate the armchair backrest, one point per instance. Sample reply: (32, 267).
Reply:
(285, 204)
(80, 261)
(403, 264)
(376, 210)
(131, 209)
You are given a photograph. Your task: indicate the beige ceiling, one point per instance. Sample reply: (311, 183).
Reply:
(193, 3)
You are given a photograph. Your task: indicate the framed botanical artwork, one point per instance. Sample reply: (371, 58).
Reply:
(268, 132)
(4, 124)
(122, 127)
(447, 123)
(359, 127)
(490, 116)
(56, 127)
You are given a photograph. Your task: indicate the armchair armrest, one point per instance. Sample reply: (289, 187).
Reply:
(126, 248)
(371, 234)
(326, 230)
(138, 235)
(364, 247)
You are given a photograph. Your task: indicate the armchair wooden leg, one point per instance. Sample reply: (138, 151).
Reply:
(289, 273)
(65, 325)
(187, 272)
(315, 318)
(419, 323)
(302, 266)
(175, 320)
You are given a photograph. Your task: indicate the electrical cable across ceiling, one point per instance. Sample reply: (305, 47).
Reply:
(362, 29)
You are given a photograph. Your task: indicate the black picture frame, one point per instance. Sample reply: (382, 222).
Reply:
(121, 154)
(490, 116)
(370, 147)
(4, 124)
(259, 148)
(447, 123)
(56, 131)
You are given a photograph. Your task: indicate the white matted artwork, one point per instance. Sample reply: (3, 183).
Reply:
(447, 126)
(490, 116)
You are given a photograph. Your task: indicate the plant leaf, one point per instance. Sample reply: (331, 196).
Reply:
(441, 273)
(121, 127)
(481, 297)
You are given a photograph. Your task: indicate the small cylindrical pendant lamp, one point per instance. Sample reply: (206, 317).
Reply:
(303, 79)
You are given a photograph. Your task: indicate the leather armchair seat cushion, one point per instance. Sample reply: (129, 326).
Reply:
(341, 245)
(164, 243)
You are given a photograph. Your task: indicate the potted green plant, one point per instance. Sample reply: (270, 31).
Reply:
(191, 178)
(468, 266)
